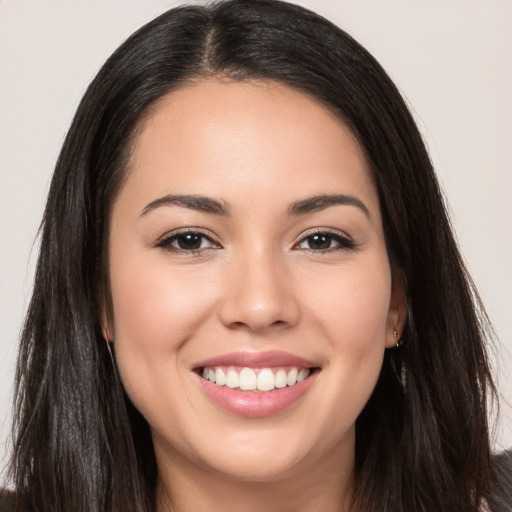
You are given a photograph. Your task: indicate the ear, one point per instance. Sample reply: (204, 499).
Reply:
(397, 315)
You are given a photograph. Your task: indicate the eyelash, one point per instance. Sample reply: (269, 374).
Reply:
(344, 242)
(166, 242)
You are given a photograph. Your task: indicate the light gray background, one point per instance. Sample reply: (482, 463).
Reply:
(451, 59)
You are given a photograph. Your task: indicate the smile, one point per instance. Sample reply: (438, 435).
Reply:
(255, 379)
(256, 385)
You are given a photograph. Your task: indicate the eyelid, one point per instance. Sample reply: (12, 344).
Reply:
(165, 241)
(346, 241)
(324, 230)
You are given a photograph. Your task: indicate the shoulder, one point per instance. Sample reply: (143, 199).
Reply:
(501, 499)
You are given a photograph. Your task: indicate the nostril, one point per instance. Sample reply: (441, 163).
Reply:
(257, 326)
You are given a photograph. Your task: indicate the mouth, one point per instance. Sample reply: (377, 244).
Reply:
(260, 380)
(256, 384)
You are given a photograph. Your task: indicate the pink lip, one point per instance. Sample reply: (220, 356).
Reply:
(249, 403)
(256, 360)
(252, 404)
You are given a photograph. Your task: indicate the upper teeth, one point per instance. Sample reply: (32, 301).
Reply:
(263, 379)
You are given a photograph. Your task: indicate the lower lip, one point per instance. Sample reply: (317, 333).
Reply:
(253, 404)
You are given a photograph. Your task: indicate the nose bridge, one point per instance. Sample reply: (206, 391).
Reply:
(258, 293)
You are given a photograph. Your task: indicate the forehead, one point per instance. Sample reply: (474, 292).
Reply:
(259, 139)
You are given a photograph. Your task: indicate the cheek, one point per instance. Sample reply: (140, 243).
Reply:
(351, 309)
(353, 317)
(156, 310)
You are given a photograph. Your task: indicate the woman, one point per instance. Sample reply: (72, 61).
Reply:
(248, 293)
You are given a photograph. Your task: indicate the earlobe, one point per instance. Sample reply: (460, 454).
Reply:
(397, 312)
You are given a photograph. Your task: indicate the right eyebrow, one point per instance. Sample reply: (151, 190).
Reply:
(193, 202)
(318, 203)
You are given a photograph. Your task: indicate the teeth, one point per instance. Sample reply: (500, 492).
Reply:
(280, 379)
(291, 379)
(303, 374)
(248, 379)
(266, 380)
(232, 379)
(220, 378)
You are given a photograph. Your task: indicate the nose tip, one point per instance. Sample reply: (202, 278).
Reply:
(259, 298)
(257, 318)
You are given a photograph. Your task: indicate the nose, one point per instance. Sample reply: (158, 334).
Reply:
(258, 294)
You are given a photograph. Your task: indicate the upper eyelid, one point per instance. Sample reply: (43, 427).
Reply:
(184, 231)
(327, 231)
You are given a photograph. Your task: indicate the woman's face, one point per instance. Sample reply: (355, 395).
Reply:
(246, 245)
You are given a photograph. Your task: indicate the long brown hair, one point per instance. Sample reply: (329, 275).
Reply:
(422, 440)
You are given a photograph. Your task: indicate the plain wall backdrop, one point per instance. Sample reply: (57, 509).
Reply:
(450, 59)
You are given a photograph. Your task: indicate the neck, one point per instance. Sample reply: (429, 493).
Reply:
(320, 486)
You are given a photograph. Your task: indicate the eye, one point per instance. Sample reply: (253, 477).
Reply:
(324, 241)
(187, 242)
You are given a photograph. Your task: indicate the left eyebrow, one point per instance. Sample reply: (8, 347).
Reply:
(318, 203)
(193, 202)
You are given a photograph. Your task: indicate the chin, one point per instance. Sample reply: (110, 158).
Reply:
(257, 468)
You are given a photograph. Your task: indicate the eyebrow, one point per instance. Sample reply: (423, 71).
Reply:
(318, 203)
(217, 207)
(199, 203)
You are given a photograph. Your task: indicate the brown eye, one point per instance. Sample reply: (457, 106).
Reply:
(325, 242)
(319, 242)
(187, 242)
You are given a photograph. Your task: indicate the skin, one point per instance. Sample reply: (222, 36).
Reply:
(258, 285)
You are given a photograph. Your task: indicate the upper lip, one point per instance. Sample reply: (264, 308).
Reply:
(256, 360)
